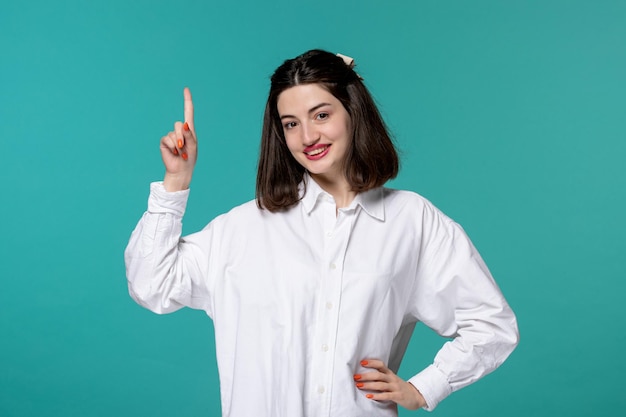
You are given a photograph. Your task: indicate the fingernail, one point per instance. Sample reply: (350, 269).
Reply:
(186, 126)
(180, 143)
(359, 384)
(185, 156)
(370, 396)
(364, 363)
(357, 377)
(175, 151)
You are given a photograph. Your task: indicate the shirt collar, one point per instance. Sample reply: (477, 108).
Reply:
(371, 201)
(312, 193)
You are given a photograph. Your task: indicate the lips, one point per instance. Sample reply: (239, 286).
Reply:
(316, 151)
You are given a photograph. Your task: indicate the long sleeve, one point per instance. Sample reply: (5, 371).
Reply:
(165, 272)
(457, 297)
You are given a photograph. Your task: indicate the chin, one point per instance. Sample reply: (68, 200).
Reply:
(328, 175)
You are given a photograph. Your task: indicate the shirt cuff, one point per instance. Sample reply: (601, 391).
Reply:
(433, 385)
(162, 201)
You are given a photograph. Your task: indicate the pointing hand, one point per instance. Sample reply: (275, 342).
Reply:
(179, 150)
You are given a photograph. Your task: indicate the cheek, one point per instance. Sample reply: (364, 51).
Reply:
(291, 143)
(341, 135)
(340, 131)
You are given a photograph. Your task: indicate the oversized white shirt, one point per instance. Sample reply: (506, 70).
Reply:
(299, 298)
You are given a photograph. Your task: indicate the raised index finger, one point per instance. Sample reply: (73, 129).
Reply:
(188, 108)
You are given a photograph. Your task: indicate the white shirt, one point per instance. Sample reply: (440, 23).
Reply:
(299, 298)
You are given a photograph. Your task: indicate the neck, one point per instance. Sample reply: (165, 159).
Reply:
(338, 188)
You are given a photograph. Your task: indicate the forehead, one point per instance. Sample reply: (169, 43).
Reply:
(302, 98)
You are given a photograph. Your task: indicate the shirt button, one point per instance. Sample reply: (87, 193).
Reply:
(329, 306)
(333, 266)
(320, 390)
(329, 234)
(325, 348)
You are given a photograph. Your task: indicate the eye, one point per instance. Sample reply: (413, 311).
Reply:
(289, 125)
(322, 116)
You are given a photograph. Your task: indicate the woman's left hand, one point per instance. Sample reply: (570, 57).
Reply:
(385, 385)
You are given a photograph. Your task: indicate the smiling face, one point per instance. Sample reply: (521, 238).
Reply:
(317, 130)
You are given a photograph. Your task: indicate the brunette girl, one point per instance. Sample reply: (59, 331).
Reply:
(315, 288)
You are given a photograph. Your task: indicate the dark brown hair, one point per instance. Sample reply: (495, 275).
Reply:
(371, 159)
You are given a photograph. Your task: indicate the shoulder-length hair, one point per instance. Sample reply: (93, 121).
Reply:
(371, 159)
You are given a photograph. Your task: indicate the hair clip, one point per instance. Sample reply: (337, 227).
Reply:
(349, 61)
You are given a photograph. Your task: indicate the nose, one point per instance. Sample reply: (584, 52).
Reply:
(310, 135)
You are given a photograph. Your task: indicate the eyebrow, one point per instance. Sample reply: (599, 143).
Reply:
(311, 110)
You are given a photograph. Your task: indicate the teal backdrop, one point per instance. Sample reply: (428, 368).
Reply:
(510, 116)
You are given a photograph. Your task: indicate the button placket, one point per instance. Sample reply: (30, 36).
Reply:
(322, 357)
(334, 254)
(337, 226)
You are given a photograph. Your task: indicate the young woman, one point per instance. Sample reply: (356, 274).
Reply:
(315, 287)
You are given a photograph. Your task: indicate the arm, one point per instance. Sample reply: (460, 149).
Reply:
(456, 296)
(166, 272)
(163, 270)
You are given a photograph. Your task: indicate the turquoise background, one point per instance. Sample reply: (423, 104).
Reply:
(510, 116)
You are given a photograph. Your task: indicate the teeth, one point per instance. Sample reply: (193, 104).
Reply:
(317, 151)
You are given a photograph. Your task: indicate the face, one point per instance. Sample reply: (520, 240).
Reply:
(317, 130)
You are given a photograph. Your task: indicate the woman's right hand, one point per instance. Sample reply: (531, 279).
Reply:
(179, 150)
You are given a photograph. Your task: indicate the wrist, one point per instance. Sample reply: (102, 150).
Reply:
(419, 398)
(173, 183)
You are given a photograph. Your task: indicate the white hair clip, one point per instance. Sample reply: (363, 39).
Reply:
(349, 61)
